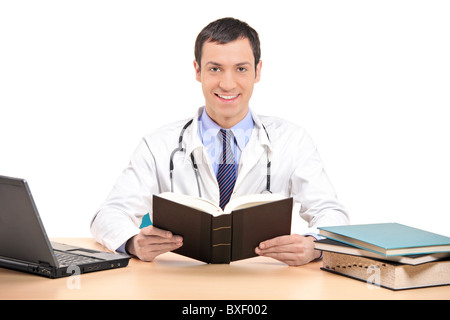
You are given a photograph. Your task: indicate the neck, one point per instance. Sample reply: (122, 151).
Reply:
(227, 122)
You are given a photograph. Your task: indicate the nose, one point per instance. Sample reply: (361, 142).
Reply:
(227, 82)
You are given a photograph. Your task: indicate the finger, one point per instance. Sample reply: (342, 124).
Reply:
(153, 231)
(163, 247)
(278, 241)
(150, 253)
(290, 248)
(150, 240)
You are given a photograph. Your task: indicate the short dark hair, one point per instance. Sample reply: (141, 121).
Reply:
(226, 30)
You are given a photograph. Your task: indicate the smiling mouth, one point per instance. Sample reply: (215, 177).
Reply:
(227, 97)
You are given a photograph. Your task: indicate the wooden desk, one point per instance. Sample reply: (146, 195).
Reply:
(172, 276)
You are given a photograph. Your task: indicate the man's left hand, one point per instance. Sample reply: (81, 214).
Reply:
(294, 249)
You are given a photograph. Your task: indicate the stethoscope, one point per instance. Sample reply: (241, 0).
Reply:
(194, 163)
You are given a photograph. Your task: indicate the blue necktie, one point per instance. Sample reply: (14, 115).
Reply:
(226, 175)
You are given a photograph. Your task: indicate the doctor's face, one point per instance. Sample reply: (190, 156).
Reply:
(227, 75)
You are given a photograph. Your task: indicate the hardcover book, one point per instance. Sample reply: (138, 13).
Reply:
(388, 274)
(388, 239)
(414, 259)
(213, 235)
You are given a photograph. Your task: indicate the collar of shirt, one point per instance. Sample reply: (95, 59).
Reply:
(208, 131)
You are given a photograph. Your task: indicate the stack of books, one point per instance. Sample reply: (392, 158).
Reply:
(389, 255)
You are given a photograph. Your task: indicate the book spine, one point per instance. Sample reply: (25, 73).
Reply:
(221, 239)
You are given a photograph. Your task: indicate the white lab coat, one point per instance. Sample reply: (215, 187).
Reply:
(296, 170)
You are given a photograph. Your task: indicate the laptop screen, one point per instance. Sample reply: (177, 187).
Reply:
(22, 234)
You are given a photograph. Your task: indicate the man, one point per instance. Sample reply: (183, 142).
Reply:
(227, 64)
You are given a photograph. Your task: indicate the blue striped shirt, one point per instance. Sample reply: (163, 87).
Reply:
(208, 131)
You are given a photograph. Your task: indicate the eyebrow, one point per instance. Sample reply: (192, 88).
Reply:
(219, 65)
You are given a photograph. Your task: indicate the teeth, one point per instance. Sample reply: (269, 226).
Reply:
(227, 97)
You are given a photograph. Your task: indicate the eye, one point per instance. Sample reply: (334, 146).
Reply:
(214, 69)
(241, 69)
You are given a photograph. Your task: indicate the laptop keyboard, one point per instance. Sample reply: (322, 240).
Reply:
(67, 259)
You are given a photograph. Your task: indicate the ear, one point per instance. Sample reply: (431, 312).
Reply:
(197, 71)
(258, 71)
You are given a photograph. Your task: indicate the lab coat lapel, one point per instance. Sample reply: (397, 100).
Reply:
(250, 157)
(254, 154)
(192, 140)
(194, 145)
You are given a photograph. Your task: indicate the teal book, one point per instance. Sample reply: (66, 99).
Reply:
(388, 239)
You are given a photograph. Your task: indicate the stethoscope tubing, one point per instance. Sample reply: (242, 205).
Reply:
(194, 163)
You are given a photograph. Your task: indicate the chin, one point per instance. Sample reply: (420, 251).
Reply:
(228, 112)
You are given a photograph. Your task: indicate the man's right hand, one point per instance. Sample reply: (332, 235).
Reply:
(151, 242)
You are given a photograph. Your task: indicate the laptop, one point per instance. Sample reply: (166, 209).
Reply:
(24, 244)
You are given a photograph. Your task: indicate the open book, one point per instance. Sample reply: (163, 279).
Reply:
(213, 235)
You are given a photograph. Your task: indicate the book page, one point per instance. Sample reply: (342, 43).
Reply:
(193, 202)
(251, 200)
(210, 207)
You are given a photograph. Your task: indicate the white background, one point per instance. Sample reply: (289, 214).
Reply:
(82, 81)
